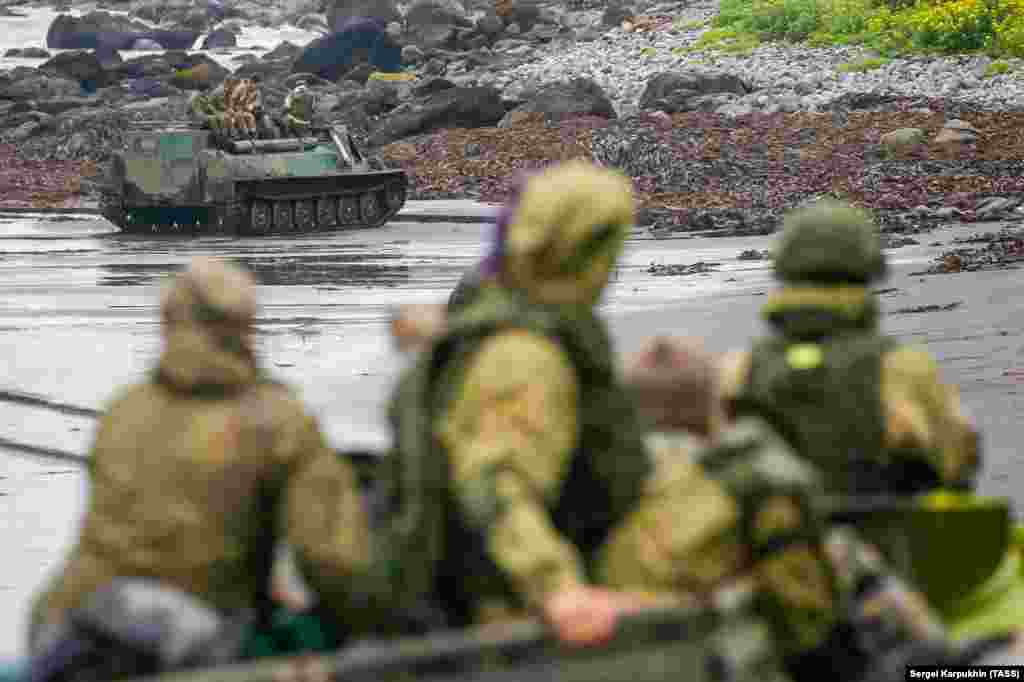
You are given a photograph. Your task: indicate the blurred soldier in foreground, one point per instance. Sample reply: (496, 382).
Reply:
(414, 326)
(512, 422)
(871, 414)
(200, 470)
(731, 523)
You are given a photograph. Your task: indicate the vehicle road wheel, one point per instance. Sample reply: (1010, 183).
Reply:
(348, 210)
(305, 215)
(327, 212)
(396, 197)
(284, 218)
(260, 218)
(369, 208)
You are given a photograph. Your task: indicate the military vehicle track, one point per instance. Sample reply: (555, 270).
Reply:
(316, 213)
(264, 216)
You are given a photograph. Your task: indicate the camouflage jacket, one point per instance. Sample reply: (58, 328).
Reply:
(515, 418)
(197, 473)
(734, 526)
(873, 415)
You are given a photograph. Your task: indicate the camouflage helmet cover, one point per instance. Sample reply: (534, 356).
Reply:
(829, 242)
(567, 232)
(210, 291)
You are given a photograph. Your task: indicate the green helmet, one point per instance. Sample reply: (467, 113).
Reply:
(829, 242)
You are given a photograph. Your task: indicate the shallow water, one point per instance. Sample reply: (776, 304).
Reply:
(78, 318)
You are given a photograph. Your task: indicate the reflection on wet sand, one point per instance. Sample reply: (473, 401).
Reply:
(310, 270)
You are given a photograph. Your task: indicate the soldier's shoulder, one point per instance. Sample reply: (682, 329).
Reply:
(518, 351)
(275, 404)
(131, 396)
(909, 360)
(751, 453)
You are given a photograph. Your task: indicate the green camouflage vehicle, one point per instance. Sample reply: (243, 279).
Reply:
(185, 180)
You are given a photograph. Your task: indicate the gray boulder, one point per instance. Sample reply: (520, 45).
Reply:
(113, 30)
(77, 66)
(615, 12)
(433, 23)
(578, 97)
(40, 86)
(675, 92)
(28, 53)
(490, 25)
(219, 38)
(284, 50)
(340, 11)
(458, 107)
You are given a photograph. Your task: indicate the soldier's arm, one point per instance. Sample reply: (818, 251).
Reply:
(326, 524)
(925, 414)
(680, 537)
(510, 435)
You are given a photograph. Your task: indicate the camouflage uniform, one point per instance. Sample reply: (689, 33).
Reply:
(512, 418)
(232, 110)
(730, 522)
(299, 110)
(199, 471)
(872, 415)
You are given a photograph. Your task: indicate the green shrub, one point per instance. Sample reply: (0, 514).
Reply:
(890, 26)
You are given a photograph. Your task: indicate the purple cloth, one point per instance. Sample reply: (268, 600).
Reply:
(494, 261)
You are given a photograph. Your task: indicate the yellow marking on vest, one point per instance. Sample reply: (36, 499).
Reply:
(804, 356)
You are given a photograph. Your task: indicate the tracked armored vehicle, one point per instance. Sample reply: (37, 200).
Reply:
(183, 179)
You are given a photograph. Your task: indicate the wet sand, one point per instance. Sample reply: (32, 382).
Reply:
(78, 319)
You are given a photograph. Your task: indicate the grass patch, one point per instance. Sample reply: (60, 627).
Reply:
(689, 25)
(727, 40)
(892, 27)
(864, 65)
(997, 68)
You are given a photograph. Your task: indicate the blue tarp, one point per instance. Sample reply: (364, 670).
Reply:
(10, 672)
(360, 40)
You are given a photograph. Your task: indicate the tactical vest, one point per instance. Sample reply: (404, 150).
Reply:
(436, 560)
(824, 397)
(756, 466)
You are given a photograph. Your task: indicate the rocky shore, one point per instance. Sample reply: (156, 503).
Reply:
(713, 141)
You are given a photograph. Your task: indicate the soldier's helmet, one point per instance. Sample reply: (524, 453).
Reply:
(210, 292)
(829, 242)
